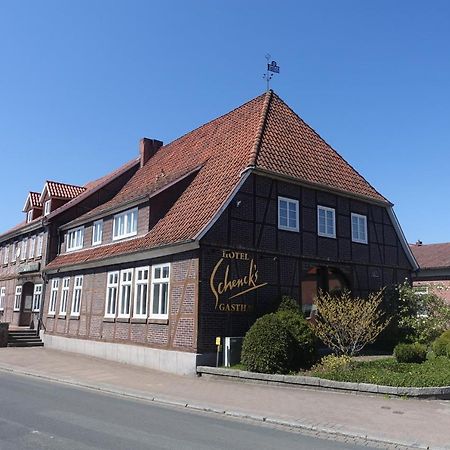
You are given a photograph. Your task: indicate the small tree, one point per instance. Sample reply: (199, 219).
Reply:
(347, 324)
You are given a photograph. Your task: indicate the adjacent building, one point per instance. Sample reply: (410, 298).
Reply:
(206, 235)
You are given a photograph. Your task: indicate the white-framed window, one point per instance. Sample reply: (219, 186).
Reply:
(2, 298)
(359, 228)
(326, 222)
(112, 292)
(126, 280)
(288, 212)
(53, 296)
(6, 254)
(160, 291)
(47, 207)
(141, 292)
(23, 249)
(40, 243)
(421, 290)
(29, 215)
(97, 231)
(76, 297)
(31, 247)
(64, 296)
(74, 239)
(17, 298)
(14, 252)
(125, 224)
(37, 298)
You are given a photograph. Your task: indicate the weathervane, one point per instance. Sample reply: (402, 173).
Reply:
(271, 69)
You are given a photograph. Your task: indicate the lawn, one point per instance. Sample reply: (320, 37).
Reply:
(388, 372)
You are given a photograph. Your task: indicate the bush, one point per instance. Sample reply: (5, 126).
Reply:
(289, 304)
(410, 353)
(332, 363)
(441, 344)
(304, 349)
(268, 346)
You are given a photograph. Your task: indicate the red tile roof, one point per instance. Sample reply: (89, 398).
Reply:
(263, 133)
(63, 190)
(432, 256)
(34, 200)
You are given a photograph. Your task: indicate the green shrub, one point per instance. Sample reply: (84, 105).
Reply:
(410, 353)
(440, 345)
(268, 346)
(304, 349)
(332, 363)
(289, 304)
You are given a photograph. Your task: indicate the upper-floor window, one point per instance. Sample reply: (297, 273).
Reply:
(40, 242)
(14, 252)
(2, 298)
(97, 231)
(160, 291)
(125, 224)
(37, 297)
(359, 228)
(75, 239)
(31, 247)
(288, 214)
(47, 207)
(76, 298)
(53, 296)
(29, 215)
(23, 249)
(64, 296)
(326, 222)
(5, 255)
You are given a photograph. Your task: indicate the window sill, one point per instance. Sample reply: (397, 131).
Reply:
(62, 317)
(158, 321)
(50, 316)
(123, 319)
(329, 236)
(109, 319)
(359, 242)
(138, 320)
(295, 230)
(74, 318)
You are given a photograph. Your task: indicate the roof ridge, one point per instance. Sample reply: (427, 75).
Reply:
(261, 128)
(65, 184)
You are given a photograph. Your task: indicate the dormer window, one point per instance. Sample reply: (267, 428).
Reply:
(125, 224)
(29, 216)
(47, 206)
(74, 239)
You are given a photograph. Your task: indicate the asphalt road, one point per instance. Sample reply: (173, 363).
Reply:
(36, 414)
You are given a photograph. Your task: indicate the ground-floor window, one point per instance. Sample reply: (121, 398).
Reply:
(141, 292)
(37, 297)
(126, 280)
(17, 298)
(53, 296)
(76, 298)
(160, 291)
(112, 289)
(64, 296)
(2, 298)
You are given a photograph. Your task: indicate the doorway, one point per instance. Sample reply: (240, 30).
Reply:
(26, 304)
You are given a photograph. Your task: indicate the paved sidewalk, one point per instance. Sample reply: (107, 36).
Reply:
(413, 423)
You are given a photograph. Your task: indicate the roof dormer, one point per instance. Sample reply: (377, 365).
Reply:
(55, 194)
(32, 207)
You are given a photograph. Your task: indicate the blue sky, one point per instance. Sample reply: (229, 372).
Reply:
(81, 82)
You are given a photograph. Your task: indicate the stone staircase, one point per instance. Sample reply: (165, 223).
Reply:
(24, 338)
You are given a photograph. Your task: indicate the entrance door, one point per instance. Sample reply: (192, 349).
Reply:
(26, 304)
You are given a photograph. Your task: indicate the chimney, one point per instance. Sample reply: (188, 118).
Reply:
(419, 242)
(147, 148)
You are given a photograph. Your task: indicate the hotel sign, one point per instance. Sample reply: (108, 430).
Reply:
(229, 286)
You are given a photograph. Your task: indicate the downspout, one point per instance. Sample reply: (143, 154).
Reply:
(44, 276)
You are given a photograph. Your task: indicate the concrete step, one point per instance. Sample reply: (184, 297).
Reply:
(26, 344)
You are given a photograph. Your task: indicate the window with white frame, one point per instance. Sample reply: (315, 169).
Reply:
(23, 249)
(160, 291)
(29, 215)
(53, 296)
(326, 222)
(288, 214)
(37, 298)
(40, 243)
(126, 279)
(74, 239)
(76, 298)
(112, 291)
(31, 247)
(17, 298)
(125, 224)
(5, 254)
(14, 252)
(97, 231)
(47, 207)
(64, 296)
(2, 298)
(140, 292)
(359, 228)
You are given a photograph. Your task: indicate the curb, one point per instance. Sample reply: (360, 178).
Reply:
(429, 393)
(292, 424)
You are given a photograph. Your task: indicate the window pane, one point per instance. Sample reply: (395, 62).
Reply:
(166, 272)
(156, 290)
(164, 298)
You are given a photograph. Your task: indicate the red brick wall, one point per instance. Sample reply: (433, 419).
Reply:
(440, 288)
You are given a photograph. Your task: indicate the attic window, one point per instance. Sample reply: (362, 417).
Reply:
(47, 206)
(75, 239)
(125, 224)
(29, 215)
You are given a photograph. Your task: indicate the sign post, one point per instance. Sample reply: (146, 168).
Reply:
(218, 350)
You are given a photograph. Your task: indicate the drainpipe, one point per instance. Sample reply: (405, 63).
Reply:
(44, 262)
